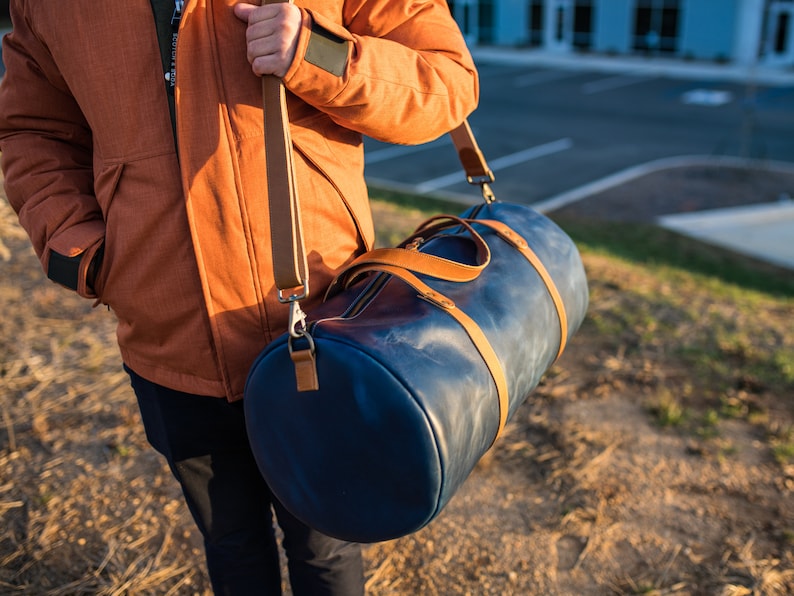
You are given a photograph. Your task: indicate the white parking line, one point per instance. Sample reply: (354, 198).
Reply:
(401, 150)
(542, 76)
(499, 163)
(610, 83)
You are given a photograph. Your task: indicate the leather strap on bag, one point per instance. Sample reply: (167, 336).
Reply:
(507, 233)
(408, 257)
(473, 160)
(473, 330)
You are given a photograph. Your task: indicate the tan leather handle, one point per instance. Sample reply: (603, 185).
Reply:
(408, 257)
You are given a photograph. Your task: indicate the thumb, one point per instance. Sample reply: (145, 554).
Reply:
(242, 10)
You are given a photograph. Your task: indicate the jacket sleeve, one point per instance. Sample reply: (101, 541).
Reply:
(46, 159)
(397, 70)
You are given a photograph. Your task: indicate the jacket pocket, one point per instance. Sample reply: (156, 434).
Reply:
(106, 183)
(336, 154)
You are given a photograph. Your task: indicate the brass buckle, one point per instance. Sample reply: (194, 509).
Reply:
(484, 182)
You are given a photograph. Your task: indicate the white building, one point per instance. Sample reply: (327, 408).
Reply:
(737, 31)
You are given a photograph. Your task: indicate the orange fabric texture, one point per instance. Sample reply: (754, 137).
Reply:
(88, 156)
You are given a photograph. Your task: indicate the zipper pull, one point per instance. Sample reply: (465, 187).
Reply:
(177, 15)
(415, 243)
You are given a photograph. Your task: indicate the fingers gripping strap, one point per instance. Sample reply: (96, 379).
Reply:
(508, 234)
(472, 329)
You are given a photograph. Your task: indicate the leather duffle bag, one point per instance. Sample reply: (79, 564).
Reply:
(369, 414)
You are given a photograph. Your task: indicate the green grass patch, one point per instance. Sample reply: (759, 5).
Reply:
(668, 411)
(428, 205)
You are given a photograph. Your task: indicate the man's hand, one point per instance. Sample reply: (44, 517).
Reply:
(272, 35)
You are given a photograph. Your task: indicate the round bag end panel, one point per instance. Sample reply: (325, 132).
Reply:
(356, 459)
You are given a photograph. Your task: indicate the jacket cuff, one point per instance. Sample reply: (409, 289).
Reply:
(65, 270)
(74, 272)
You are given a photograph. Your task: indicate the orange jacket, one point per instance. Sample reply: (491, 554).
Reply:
(89, 160)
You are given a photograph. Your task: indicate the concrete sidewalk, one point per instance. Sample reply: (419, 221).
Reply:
(762, 231)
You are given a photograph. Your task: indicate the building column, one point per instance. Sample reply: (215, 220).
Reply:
(511, 18)
(749, 25)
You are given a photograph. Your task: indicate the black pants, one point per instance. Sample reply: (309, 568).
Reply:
(205, 442)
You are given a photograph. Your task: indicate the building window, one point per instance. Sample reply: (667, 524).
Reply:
(536, 24)
(656, 26)
(583, 24)
(475, 19)
(460, 11)
(782, 32)
(486, 31)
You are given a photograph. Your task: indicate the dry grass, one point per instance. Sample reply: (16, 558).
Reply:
(587, 492)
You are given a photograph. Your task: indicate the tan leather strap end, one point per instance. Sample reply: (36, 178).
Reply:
(305, 370)
(470, 155)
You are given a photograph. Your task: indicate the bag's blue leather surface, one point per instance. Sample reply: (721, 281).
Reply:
(406, 406)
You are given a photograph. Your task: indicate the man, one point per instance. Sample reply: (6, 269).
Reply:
(162, 214)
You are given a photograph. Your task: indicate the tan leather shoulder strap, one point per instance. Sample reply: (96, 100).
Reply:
(472, 159)
(289, 258)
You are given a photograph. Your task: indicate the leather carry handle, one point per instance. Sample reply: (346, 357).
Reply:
(408, 257)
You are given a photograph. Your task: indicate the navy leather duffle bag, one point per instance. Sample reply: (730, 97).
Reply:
(415, 365)
(367, 416)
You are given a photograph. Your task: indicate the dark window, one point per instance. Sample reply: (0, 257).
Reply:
(536, 22)
(475, 19)
(583, 24)
(782, 32)
(485, 21)
(656, 26)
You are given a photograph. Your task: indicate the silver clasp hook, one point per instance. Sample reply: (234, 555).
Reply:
(297, 319)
